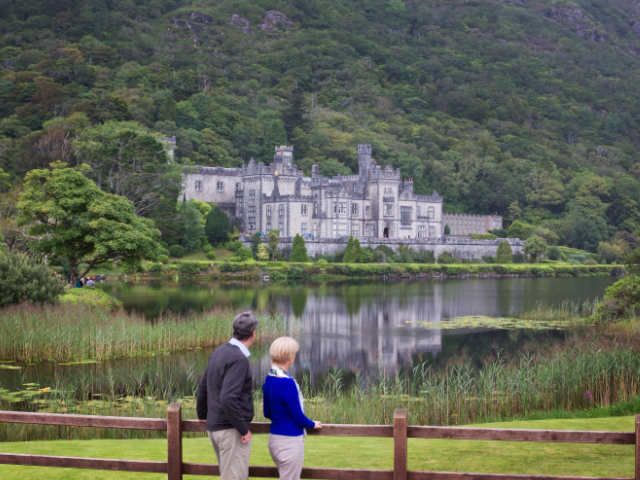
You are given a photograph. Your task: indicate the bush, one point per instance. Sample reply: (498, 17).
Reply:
(446, 257)
(242, 254)
(504, 254)
(177, 251)
(191, 268)
(24, 279)
(622, 299)
(298, 250)
(553, 253)
(233, 245)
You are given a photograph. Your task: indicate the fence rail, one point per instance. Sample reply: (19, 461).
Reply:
(400, 431)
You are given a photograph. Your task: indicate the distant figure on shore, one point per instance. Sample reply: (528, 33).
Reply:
(284, 405)
(225, 399)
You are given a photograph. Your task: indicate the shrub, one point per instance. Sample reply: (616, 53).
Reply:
(177, 251)
(191, 268)
(242, 255)
(217, 226)
(553, 253)
(211, 255)
(298, 250)
(446, 257)
(24, 279)
(504, 254)
(155, 268)
(622, 299)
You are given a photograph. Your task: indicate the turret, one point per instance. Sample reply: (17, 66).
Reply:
(364, 159)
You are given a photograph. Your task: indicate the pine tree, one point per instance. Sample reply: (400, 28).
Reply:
(298, 250)
(504, 253)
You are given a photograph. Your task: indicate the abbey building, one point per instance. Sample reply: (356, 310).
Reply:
(377, 203)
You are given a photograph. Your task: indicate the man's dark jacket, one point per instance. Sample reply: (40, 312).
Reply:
(225, 391)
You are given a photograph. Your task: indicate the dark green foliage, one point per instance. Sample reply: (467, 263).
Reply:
(193, 234)
(622, 299)
(177, 251)
(217, 227)
(535, 247)
(256, 241)
(553, 253)
(298, 250)
(76, 224)
(446, 257)
(352, 252)
(24, 279)
(273, 242)
(447, 230)
(506, 107)
(504, 253)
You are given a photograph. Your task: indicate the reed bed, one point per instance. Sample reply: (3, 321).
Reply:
(68, 333)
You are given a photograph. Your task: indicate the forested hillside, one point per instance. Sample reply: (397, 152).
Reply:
(527, 108)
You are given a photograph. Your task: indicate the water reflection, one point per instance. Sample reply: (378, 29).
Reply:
(371, 330)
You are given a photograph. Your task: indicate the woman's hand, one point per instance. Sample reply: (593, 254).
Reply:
(317, 425)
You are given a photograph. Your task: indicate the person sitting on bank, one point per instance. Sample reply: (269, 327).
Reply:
(284, 405)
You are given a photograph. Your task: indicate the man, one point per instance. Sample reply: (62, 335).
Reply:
(225, 399)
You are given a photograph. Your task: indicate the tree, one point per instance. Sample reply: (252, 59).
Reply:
(193, 226)
(504, 253)
(298, 250)
(535, 247)
(25, 279)
(129, 160)
(353, 251)
(262, 253)
(447, 230)
(273, 240)
(74, 222)
(256, 241)
(218, 226)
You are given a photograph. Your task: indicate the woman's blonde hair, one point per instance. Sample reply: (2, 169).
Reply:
(283, 349)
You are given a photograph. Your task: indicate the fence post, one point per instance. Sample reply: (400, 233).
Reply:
(637, 475)
(174, 442)
(400, 444)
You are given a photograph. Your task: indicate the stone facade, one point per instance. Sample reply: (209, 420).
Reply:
(465, 224)
(374, 204)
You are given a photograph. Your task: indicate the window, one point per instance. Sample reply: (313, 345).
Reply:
(355, 230)
(220, 187)
(281, 211)
(388, 191)
(405, 216)
(268, 211)
(422, 231)
(431, 213)
(354, 209)
(303, 210)
(251, 217)
(252, 195)
(198, 186)
(368, 230)
(238, 187)
(432, 231)
(367, 211)
(388, 209)
(340, 209)
(303, 228)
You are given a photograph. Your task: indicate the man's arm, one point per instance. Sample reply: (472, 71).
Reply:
(201, 399)
(231, 394)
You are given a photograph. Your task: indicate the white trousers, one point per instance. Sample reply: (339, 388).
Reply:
(288, 455)
(233, 455)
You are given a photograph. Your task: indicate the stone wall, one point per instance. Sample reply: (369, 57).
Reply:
(462, 248)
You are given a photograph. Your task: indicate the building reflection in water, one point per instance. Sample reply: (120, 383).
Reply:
(378, 329)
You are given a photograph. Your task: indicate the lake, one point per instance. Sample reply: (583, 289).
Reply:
(368, 330)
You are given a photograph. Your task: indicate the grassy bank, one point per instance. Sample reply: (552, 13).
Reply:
(77, 332)
(322, 270)
(438, 455)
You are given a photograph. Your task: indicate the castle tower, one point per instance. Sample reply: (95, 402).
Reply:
(364, 159)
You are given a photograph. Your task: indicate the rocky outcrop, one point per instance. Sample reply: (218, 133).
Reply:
(194, 22)
(579, 21)
(275, 20)
(240, 22)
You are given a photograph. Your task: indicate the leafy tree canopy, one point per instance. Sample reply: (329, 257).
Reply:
(76, 223)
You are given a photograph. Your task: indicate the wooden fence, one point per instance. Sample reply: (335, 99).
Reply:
(400, 431)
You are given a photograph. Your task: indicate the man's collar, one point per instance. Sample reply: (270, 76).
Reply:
(243, 348)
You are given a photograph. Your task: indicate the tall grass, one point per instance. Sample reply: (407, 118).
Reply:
(65, 333)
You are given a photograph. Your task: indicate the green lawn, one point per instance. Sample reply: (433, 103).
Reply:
(443, 455)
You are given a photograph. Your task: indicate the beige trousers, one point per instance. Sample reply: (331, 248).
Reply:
(233, 455)
(288, 455)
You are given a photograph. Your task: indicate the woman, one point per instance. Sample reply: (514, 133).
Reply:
(283, 404)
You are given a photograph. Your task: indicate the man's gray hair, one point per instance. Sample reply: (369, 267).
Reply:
(244, 325)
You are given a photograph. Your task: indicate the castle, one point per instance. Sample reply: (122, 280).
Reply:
(375, 203)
